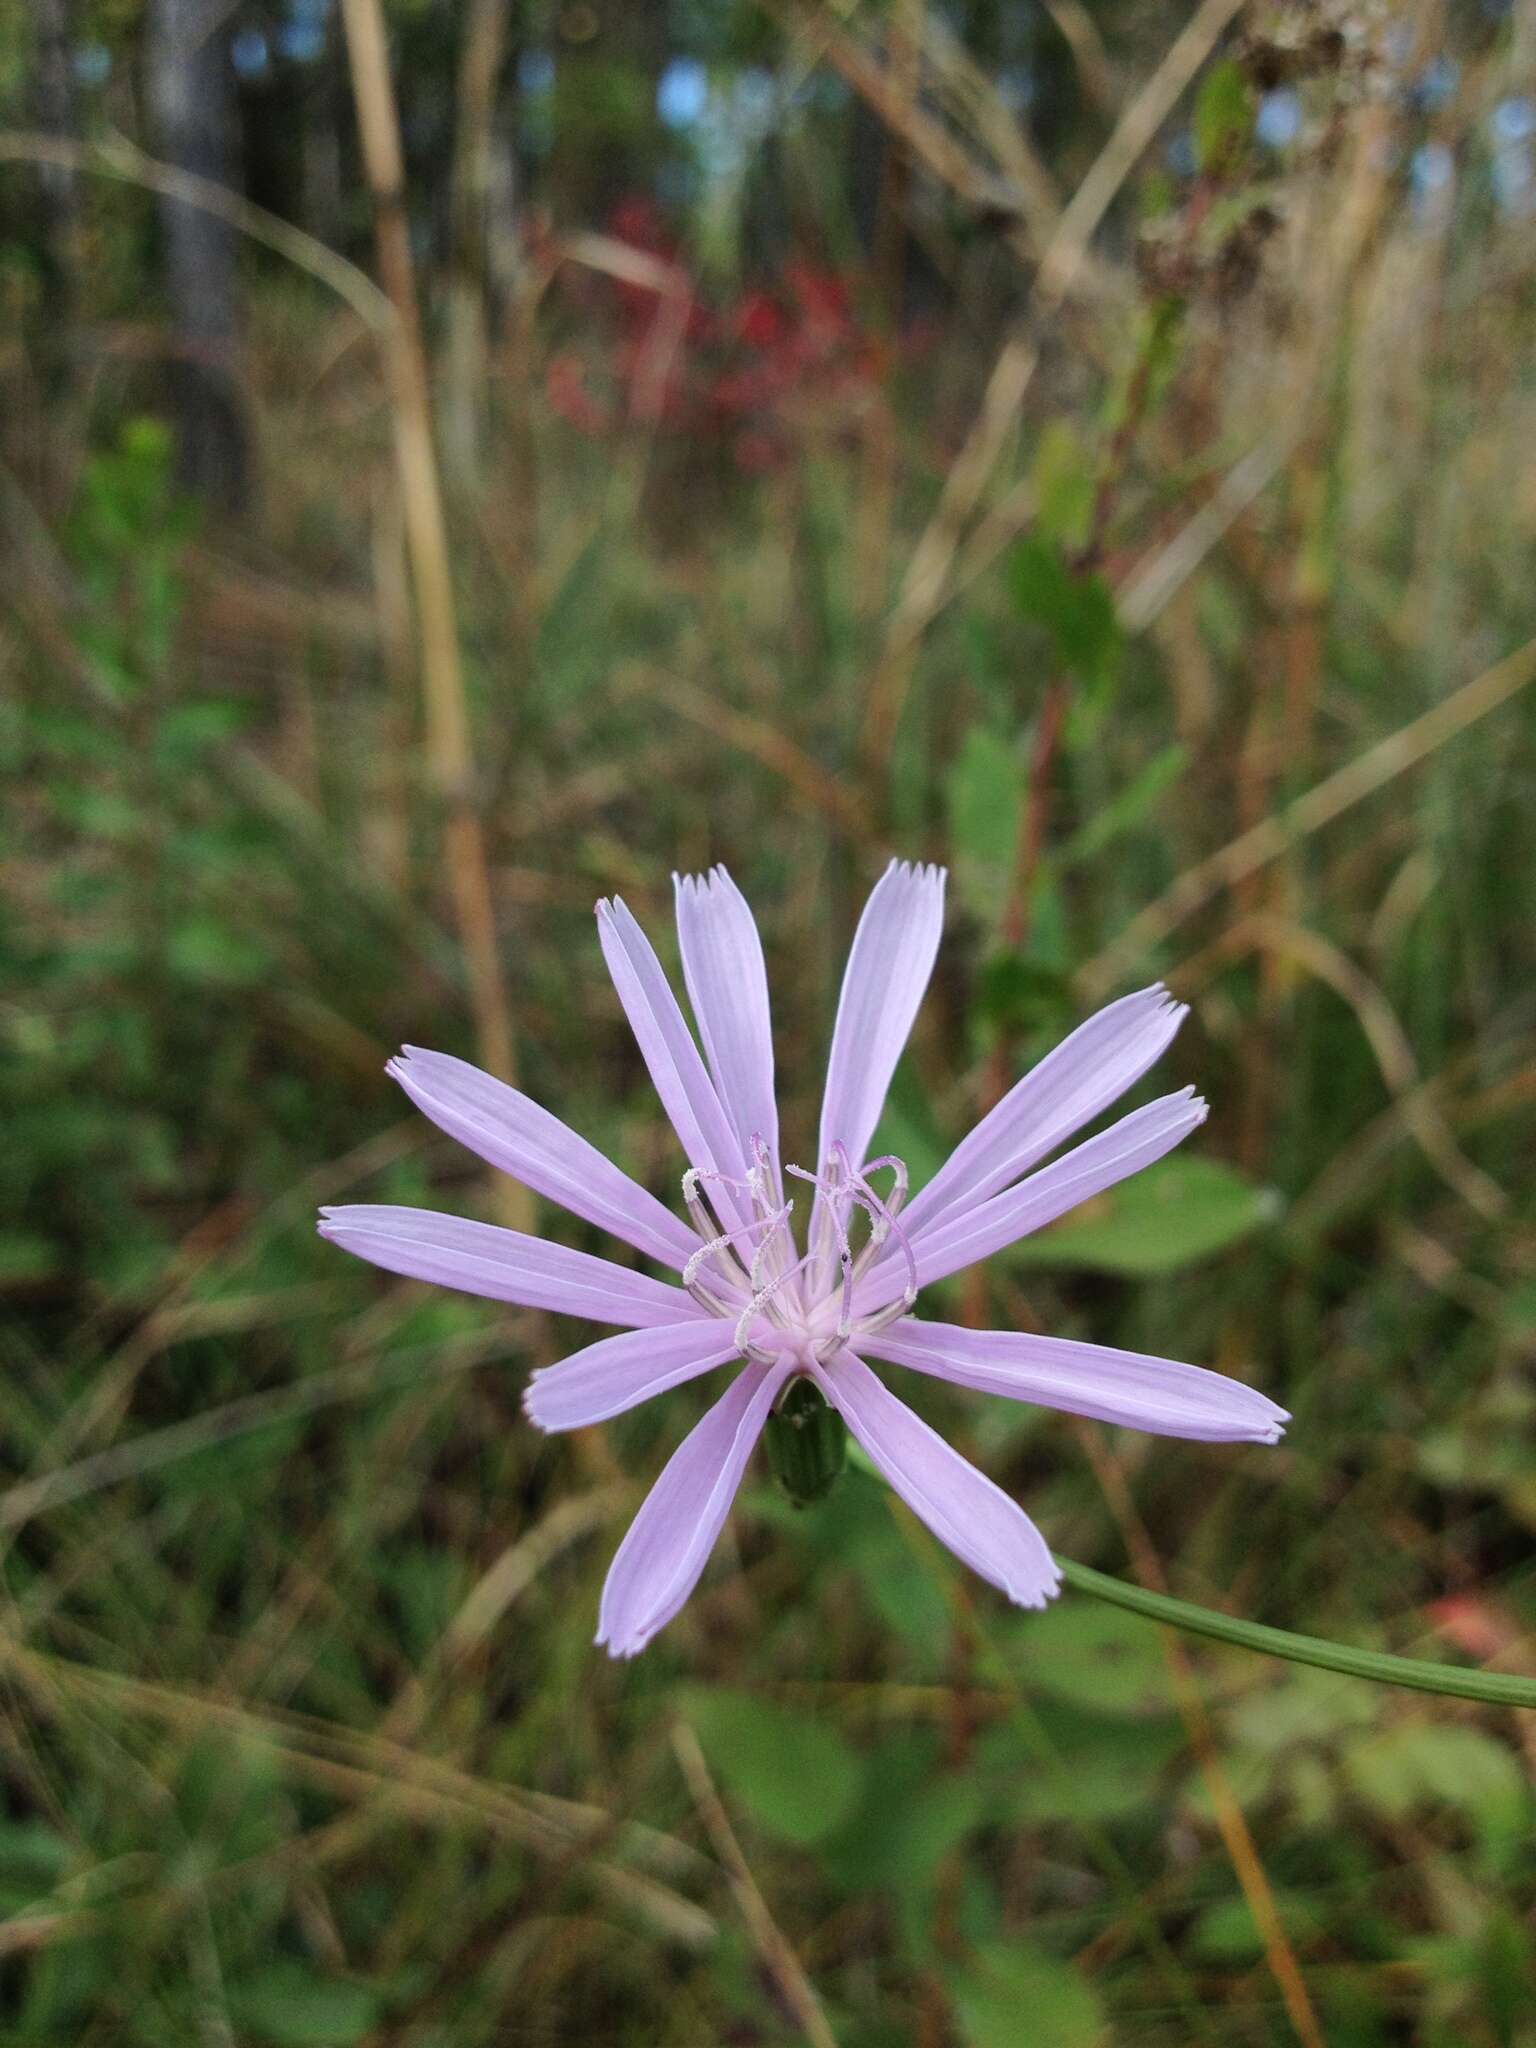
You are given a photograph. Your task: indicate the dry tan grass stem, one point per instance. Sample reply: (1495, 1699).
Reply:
(1319, 806)
(426, 534)
(1062, 264)
(1236, 1835)
(1389, 1044)
(774, 1950)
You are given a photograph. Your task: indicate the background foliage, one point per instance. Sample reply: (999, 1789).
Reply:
(1085, 447)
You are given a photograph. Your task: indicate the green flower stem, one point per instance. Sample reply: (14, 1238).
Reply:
(1493, 1688)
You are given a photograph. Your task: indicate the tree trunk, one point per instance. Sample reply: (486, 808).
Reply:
(56, 113)
(482, 235)
(192, 110)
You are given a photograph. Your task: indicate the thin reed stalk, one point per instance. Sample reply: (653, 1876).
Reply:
(426, 535)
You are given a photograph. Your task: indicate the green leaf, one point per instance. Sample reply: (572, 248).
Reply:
(1010, 1995)
(911, 1816)
(1299, 1708)
(574, 618)
(1062, 474)
(1109, 1768)
(32, 1861)
(1424, 1763)
(26, 1256)
(1156, 195)
(1017, 994)
(1228, 1933)
(229, 1800)
(984, 797)
(1093, 1657)
(1224, 113)
(202, 949)
(795, 1775)
(1123, 813)
(910, 1604)
(1077, 610)
(187, 730)
(1174, 1213)
(288, 2005)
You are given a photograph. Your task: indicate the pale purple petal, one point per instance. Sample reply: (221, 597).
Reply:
(516, 1136)
(666, 1044)
(621, 1372)
(888, 969)
(1070, 1086)
(969, 1234)
(1128, 1387)
(482, 1258)
(728, 988)
(669, 1541)
(968, 1514)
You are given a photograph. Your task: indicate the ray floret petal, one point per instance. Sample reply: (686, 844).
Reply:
(746, 1292)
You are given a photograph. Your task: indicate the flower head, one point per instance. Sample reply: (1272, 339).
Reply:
(751, 1291)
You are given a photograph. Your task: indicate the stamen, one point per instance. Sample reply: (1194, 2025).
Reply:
(705, 1296)
(826, 1185)
(764, 1172)
(779, 1218)
(872, 1325)
(896, 1199)
(723, 1246)
(762, 1293)
(720, 1271)
(884, 1225)
(703, 1223)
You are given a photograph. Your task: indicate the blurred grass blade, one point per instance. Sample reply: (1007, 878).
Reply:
(1492, 1688)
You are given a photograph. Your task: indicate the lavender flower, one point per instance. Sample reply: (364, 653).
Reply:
(750, 1295)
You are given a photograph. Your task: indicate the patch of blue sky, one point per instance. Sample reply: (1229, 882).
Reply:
(1278, 121)
(535, 74)
(249, 53)
(1513, 119)
(301, 40)
(1016, 87)
(682, 93)
(1180, 155)
(93, 64)
(1436, 83)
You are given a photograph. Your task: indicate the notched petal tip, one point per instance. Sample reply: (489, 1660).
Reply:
(713, 881)
(1037, 1596)
(1272, 1428)
(621, 1653)
(419, 1056)
(918, 871)
(1186, 1102)
(715, 878)
(530, 1408)
(623, 1646)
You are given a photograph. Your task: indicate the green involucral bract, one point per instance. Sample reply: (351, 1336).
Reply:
(807, 1443)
